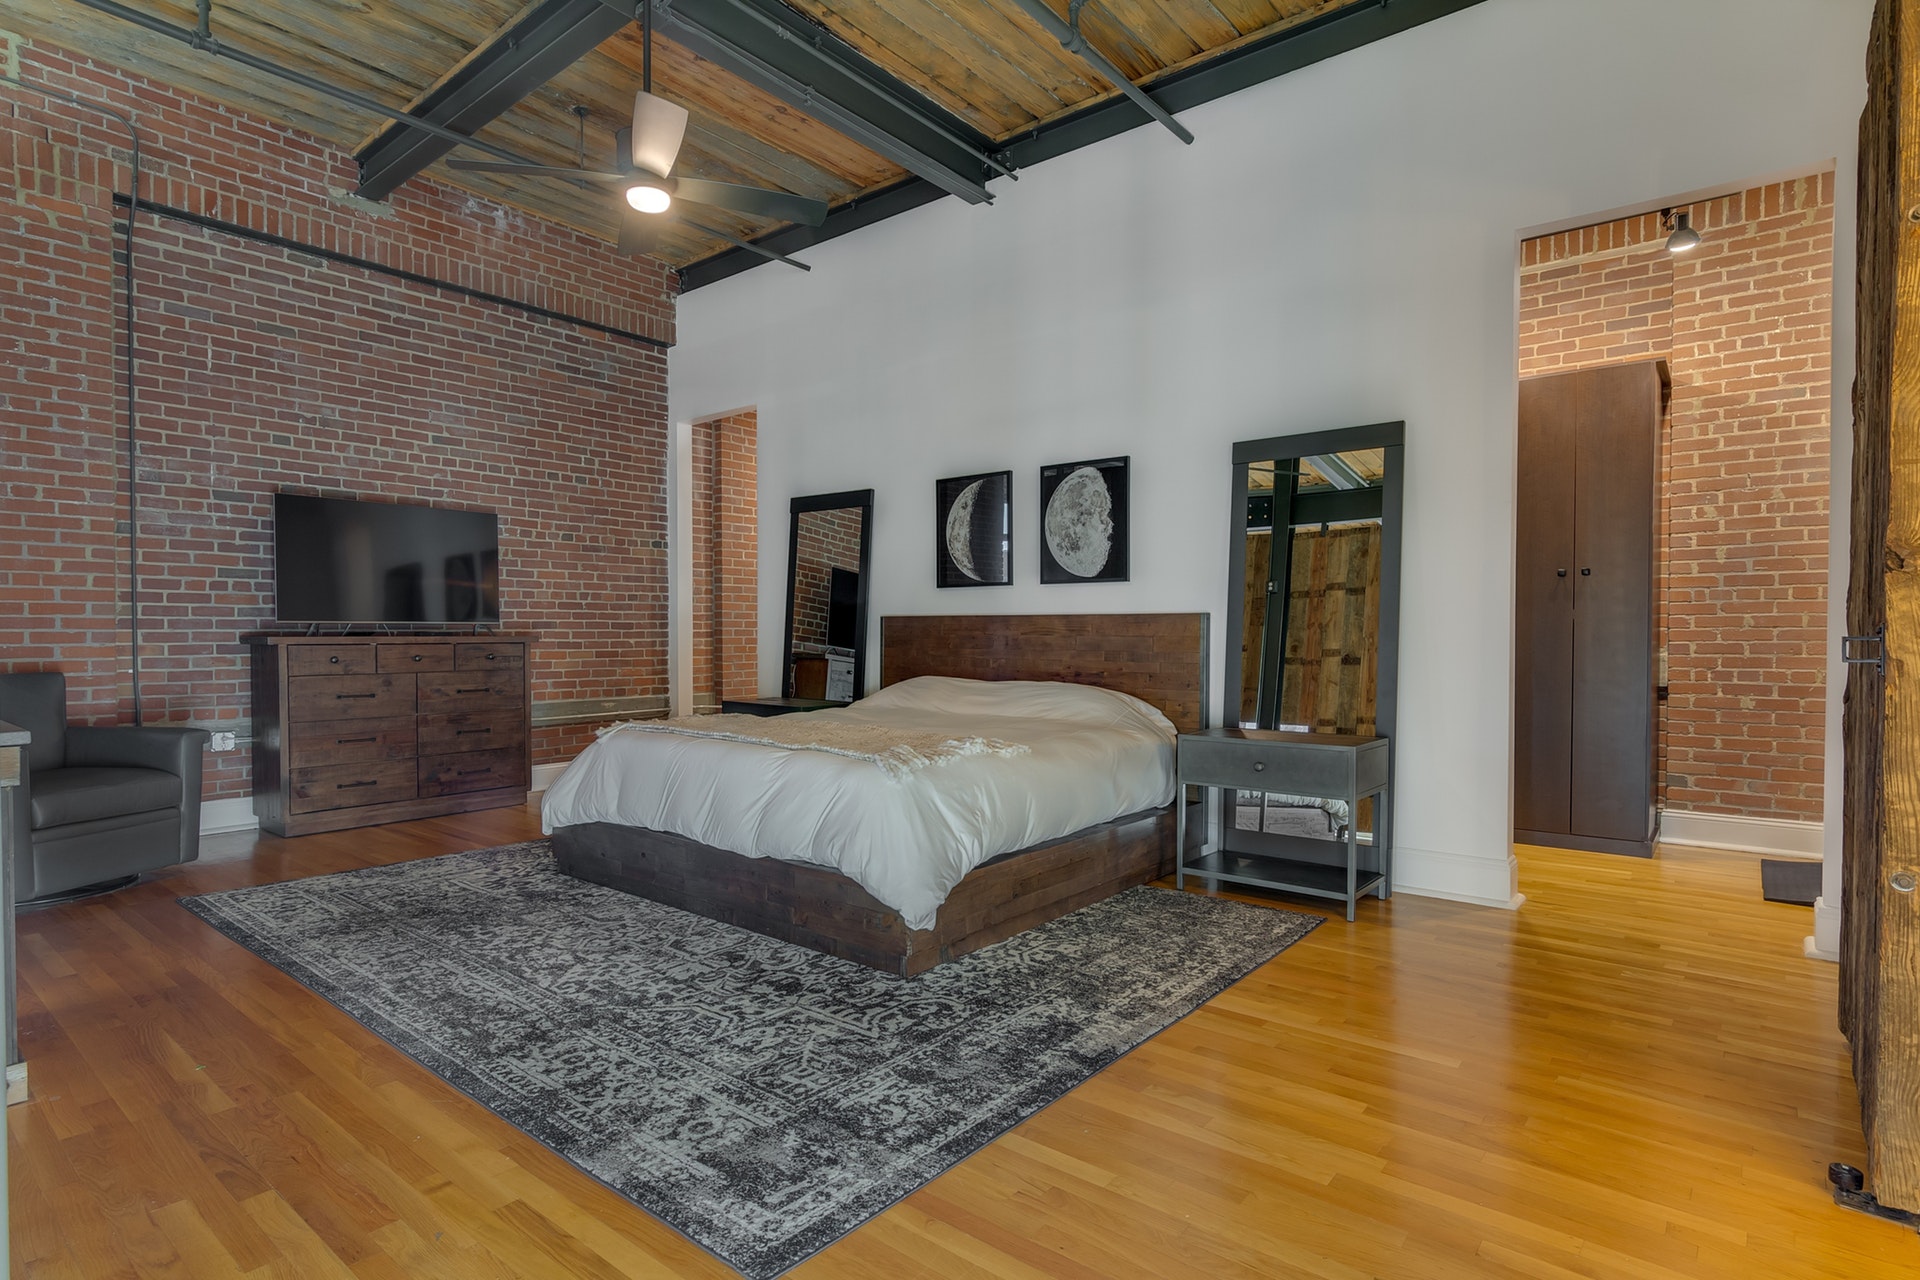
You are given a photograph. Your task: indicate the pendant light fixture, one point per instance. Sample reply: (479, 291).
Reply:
(1684, 238)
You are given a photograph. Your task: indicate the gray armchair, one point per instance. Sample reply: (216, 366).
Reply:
(98, 805)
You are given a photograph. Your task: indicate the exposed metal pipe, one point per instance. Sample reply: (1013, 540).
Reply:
(1068, 33)
(133, 414)
(201, 38)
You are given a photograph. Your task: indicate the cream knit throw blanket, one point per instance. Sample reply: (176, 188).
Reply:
(898, 752)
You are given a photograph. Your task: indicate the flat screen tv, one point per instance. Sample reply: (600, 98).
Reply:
(341, 560)
(843, 609)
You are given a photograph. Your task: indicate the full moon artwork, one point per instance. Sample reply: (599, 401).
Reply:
(1084, 521)
(972, 516)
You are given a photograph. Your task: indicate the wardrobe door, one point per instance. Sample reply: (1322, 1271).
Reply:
(1543, 606)
(1618, 423)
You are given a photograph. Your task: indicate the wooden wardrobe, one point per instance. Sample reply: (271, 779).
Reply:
(1584, 608)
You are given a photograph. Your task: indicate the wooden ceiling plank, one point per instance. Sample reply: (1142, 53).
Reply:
(945, 57)
(1038, 54)
(1201, 26)
(1249, 16)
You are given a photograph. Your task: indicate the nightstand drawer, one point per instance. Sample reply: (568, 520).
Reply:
(1266, 766)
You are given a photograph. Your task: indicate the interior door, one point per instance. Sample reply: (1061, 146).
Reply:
(1543, 605)
(1880, 929)
(1612, 750)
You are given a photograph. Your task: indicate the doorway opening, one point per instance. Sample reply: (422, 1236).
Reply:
(724, 584)
(1732, 661)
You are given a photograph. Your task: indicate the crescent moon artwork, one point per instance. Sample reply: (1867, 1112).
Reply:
(972, 517)
(1083, 525)
(1079, 524)
(960, 530)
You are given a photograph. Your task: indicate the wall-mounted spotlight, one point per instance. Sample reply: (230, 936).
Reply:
(1684, 238)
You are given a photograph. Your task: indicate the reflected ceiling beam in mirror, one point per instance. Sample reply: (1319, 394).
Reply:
(1338, 471)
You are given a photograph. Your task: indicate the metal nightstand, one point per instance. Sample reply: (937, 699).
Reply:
(1321, 765)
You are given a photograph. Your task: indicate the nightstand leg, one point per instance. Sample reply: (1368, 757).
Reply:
(1180, 835)
(1383, 840)
(1353, 852)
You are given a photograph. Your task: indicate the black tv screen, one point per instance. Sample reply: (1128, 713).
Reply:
(342, 560)
(843, 609)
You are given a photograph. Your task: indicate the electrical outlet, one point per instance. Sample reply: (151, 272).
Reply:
(225, 741)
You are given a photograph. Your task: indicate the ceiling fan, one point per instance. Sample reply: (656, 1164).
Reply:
(643, 165)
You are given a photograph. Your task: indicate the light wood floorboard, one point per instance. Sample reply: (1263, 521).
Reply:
(1635, 1076)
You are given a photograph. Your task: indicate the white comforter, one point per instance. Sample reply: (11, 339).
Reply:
(1095, 755)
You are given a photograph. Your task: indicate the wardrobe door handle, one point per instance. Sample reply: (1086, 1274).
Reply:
(1586, 573)
(1560, 573)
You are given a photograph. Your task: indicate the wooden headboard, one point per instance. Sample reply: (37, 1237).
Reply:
(1159, 658)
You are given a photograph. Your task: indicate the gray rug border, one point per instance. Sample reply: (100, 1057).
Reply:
(273, 955)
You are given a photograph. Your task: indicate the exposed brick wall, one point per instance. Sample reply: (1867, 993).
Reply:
(1745, 321)
(725, 591)
(828, 540)
(260, 369)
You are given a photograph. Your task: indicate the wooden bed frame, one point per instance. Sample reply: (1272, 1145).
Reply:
(1160, 658)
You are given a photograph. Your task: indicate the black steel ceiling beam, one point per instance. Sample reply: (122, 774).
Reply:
(546, 40)
(806, 66)
(1286, 50)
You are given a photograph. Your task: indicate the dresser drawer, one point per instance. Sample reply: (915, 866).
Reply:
(416, 657)
(460, 731)
(472, 771)
(1258, 766)
(489, 657)
(473, 691)
(351, 741)
(329, 659)
(347, 786)
(349, 697)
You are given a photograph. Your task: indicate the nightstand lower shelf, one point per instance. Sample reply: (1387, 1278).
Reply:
(1283, 875)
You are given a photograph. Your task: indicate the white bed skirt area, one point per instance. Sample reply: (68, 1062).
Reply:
(1093, 755)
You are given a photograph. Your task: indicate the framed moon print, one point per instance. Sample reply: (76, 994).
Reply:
(973, 530)
(1083, 521)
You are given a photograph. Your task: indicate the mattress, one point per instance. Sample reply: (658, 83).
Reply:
(1090, 755)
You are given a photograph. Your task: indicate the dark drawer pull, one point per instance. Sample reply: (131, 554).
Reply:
(470, 773)
(461, 733)
(1259, 766)
(341, 742)
(345, 696)
(489, 657)
(348, 786)
(417, 657)
(482, 689)
(334, 659)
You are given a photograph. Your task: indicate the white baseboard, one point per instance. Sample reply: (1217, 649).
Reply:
(1458, 877)
(1825, 942)
(1780, 837)
(235, 813)
(544, 774)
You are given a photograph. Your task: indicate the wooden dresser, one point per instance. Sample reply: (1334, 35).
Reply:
(349, 731)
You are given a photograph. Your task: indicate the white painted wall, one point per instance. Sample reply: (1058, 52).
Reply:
(1339, 247)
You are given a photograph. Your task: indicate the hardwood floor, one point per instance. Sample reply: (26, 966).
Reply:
(1636, 1076)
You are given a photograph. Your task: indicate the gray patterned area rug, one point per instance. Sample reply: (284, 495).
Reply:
(761, 1098)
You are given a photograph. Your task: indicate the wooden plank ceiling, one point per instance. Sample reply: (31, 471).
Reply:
(984, 60)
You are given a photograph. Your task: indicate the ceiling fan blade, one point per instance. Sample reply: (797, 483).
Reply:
(640, 233)
(755, 201)
(659, 127)
(531, 170)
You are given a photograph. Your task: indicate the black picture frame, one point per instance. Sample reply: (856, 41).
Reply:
(1085, 518)
(974, 547)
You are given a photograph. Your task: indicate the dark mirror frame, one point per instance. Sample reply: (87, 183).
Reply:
(1390, 437)
(850, 498)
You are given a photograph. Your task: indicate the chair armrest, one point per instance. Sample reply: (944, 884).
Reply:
(176, 751)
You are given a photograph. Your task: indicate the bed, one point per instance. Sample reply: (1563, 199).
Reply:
(654, 813)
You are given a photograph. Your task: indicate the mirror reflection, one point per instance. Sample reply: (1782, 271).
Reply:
(1310, 642)
(826, 597)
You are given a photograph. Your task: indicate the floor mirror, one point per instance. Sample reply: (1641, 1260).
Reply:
(829, 546)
